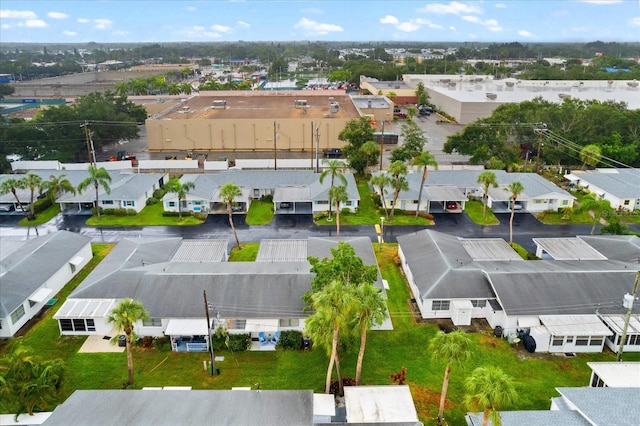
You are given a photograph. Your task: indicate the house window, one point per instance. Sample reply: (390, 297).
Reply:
(582, 341)
(564, 202)
(73, 268)
(322, 202)
(171, 204)
(66, 325)
(626, 202)
(633, 339)
(289, 322)
(129, 203)
(0, 324)
(91, 325)
(236, 324)
(557, 341)
(348, 203)
(478, 303)
(152, 322)
(77, 324)
(108, 202)
(595, 341)
(596, 382)
(414, 201)
(17, 314)
(440, 305)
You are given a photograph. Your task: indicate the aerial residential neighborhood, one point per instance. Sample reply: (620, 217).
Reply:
(227, 214)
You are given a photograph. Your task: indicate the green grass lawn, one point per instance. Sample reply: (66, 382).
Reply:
(260, 213)
(248, 253)
(536, 375)
(149, 216)
(473, 209)
(42, 217)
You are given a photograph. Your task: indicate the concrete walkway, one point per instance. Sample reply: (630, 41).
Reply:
(95, 344)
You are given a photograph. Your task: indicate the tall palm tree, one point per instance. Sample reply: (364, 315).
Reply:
(98, 177)
(333, 306)
(32, 182)
(382, 181)
(175, 186)
(424, 160)
(487, 179)
(229, 192)
(370, 150)
(123, 317)
(56, 186)
(12, 185)
(398, 171)
(334, 169)
(597, 206)
(454, 348)
(489, 389)
(338, 195)
(371, 309)
(515, 188)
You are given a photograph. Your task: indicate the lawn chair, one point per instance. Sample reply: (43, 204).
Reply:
(275, 338)
(262, 338)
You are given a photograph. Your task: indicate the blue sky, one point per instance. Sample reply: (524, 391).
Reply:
(105, 21)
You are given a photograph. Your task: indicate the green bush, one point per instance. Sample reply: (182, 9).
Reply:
(377, 201)
(151, 201)
(162, 343)
(290, 339)
(321, 215)
(268, 198)
(119, 212)
(201, 216)
(218, 340)
(41, 205)
(159, 193)
(239, 342)
(346, 211)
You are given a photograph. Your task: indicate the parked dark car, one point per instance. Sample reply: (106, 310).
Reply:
(332, 153)
(451, 205)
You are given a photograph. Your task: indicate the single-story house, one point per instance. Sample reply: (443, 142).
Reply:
(461, 185)
(293, 191)
(614, 374)
(621, 187)
(557, 301)
(169, 275)
(580, 406)
(33, 271)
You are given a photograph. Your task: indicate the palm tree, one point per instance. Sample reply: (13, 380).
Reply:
(371, 309)
(11, 185)
(424, 159)
(597, 206)
(333, 306)
(454, 348)
(515, 188)
(489, 389)
(487, 179)
(370, 150)
(124, 316)
(32, 182)
(398, 172)
(175, 186)
(338, 195)
(98, 177)
(228, 193)
(56, 186)
(381, 181)
(334, 170)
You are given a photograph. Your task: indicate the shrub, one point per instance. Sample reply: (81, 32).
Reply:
(151, 201)
(201, 216)
(218, 340)
(321, 215)
(239, 342)
(377, 200)
(162, 343)
(268, 198)
(159, 193)
(119, 212)
(42, 204)
(346, 211)
(290, 339)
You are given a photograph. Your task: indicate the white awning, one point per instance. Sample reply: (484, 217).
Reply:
(41, 295)
(268, 325)
(528, 322)
(77, 260)
(187, 327)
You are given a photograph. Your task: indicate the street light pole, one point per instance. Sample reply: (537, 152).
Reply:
(381, 145)
(381, 233)
(206, 309)
(628, 303)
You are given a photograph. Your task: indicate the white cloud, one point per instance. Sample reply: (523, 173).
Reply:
(221, 28)
(500, 6)
(102, 24)
(452, 28)
(198, 32)
(17, 14)
(57, 15)
(408, 27)
(453, 8)
(35, 23)
(316, 28)
(191, 9)
(5, 26)
(389, 19)
(491, 24)
(525, 33)
(82, 21)
(243, 24)
(474, 19)
(70, 33)
(635, 21)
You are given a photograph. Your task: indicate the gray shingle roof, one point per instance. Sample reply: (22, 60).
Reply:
(606, 406)
(622, 183)
(178, 407)
(28, 266)
(532, 418)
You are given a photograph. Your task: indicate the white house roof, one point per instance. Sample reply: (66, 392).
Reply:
(618, 374)
(85, 308)
(201, 251)
(616, 323)
(568, 249)
(575, 325)
(621, 183)
(379, 404)
(443, 193)
(186, 327)
(282, 250)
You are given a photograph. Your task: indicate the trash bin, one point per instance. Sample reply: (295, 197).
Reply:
(497, 332)
(122, 341)
(306, 343)
(529, 343)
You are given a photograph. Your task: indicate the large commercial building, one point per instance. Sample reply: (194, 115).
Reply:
(259, 121)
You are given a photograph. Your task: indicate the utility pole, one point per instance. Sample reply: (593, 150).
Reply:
(90, 149)
(541, 130)
(206, 309)
(275, 151)
(627, 302)
(317, 149)
(312, 129)
(381, 145)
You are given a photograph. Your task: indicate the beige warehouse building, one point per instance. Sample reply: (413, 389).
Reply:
(256, 121)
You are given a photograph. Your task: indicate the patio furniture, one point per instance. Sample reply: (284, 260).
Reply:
(275, 338)
(262, 338)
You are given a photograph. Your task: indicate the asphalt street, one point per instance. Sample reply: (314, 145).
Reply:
(525, 228)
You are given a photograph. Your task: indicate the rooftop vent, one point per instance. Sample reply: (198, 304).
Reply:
(564, 96)
(632, 83)
(219, 104)
(491, 96)
(335, 107)
(300, 103)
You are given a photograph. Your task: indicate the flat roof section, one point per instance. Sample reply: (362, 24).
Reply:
(575, 325)
(282, 251)
(270, 105)
(489, 249)
(568, 249)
